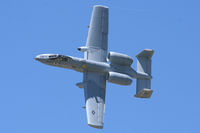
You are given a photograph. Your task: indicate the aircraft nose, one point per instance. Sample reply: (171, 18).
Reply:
(37, 57)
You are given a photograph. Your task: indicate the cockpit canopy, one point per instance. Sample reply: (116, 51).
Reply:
(53, 56)
(47, 56)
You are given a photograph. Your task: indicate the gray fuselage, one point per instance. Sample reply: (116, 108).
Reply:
(81, 65)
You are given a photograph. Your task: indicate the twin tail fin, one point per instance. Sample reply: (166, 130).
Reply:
(143, 86)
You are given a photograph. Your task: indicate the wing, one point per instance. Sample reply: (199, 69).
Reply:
(95, 83)
(94, 90)
(97, 40)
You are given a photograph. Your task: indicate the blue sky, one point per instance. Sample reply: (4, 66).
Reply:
(35, 98)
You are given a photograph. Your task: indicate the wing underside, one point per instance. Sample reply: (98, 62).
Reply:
(94, 90)
(95, 83)
(97, 40)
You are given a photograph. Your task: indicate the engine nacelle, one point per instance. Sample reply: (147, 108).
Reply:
(119, 59)
(118, 78)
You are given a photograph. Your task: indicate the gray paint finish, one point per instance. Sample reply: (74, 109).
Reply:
(94, 91)
(97, 45)
(96, 71)
(143, 86)
(97, 40)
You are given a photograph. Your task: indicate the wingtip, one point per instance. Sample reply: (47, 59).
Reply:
(95, 126)
(102, 6)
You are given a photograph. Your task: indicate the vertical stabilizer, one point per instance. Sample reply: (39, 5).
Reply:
(143, 88)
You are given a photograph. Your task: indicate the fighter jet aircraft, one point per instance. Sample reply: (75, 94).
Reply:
(96, 71)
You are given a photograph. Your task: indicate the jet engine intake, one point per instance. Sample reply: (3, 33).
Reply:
(119, 78)
(119, 59)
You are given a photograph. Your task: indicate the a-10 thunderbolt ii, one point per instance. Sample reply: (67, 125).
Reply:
(97, 71)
